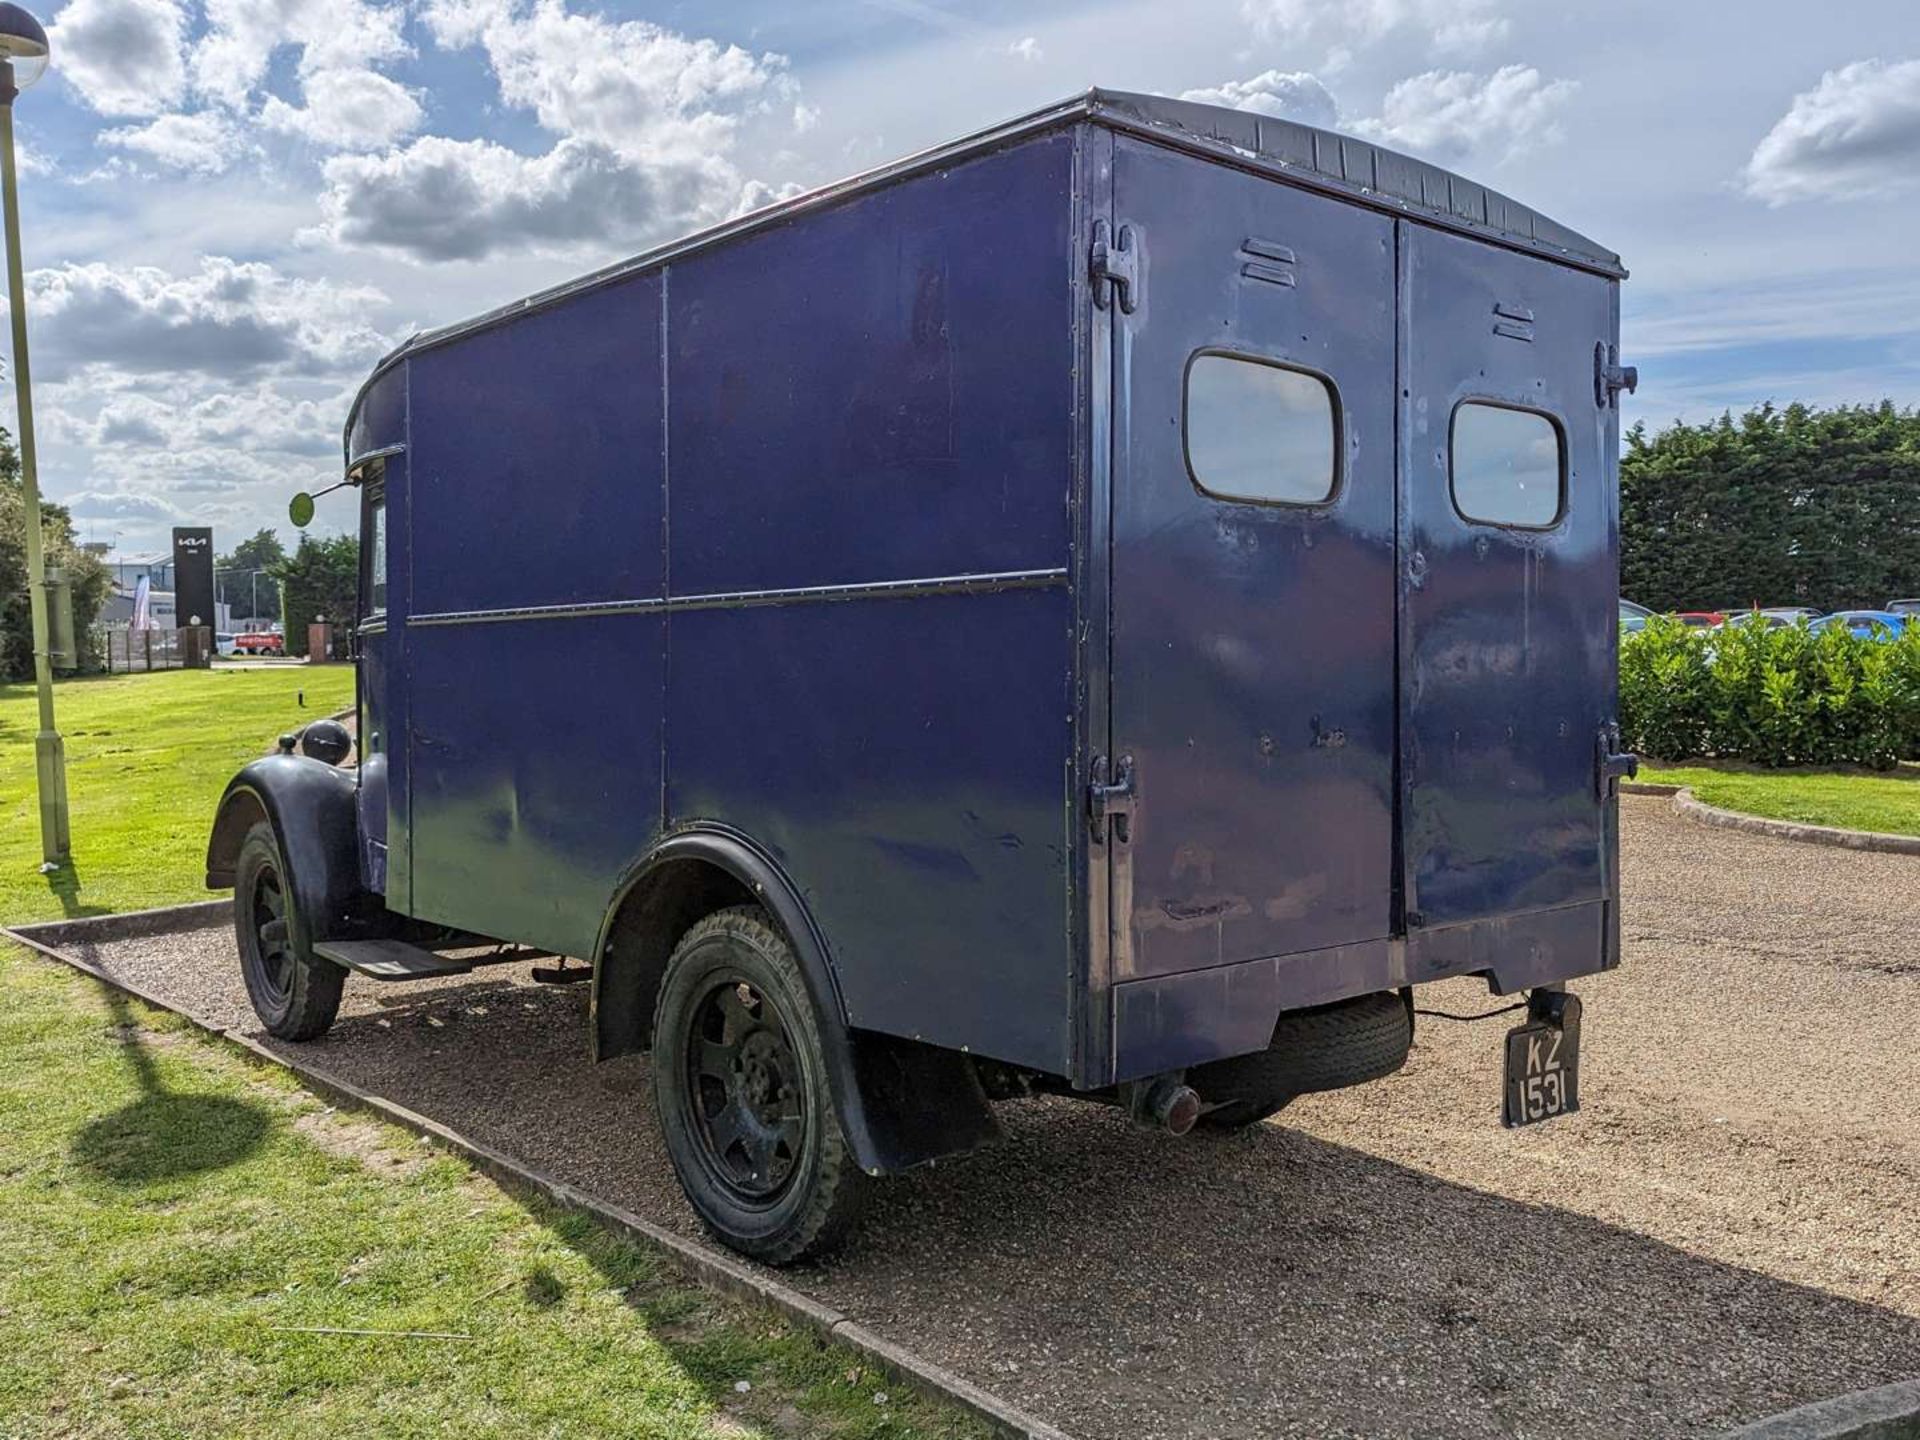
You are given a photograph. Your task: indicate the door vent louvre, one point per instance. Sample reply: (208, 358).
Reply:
(1513, 321)
(1268, 261)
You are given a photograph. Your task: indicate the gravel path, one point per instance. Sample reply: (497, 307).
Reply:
(1728, 1228)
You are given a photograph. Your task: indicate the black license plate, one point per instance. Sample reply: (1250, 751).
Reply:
(1543, 1068)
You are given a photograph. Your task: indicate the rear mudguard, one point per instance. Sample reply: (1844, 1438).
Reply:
(310, 805)
(901, 1103)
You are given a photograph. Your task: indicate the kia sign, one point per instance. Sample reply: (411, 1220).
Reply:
(192, 571)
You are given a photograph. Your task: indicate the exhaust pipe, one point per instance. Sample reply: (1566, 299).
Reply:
(1172, 1106)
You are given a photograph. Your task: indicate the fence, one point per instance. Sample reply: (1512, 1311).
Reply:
(135, 650)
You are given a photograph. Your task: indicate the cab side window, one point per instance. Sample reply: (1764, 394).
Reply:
(1508, 466)
(377, 558)
(373, 547)
(1260, 431)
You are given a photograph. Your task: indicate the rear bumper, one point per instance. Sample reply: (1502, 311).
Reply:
(1169, 1022)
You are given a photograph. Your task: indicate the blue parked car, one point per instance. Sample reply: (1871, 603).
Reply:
(1106, 606)
(1868, 624)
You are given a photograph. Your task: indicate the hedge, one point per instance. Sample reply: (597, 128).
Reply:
(1781, 696)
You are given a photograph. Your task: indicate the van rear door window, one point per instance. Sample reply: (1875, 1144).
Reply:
(1260, 431)
(1508, 466)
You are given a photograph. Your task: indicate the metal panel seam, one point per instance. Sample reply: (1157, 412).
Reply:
(988, 583)
(666, 527)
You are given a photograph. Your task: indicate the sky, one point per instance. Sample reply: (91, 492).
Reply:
(233, 208)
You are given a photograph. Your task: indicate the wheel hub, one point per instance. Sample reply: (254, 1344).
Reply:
(744, 1080)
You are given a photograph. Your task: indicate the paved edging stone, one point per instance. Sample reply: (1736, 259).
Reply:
(707, 1266)
(1702, 813)
(1891, 1412)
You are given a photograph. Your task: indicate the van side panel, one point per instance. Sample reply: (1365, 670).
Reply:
(881, 397)
(535, 480)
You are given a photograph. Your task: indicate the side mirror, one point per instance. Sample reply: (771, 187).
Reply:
(300, 510)
(326, 740)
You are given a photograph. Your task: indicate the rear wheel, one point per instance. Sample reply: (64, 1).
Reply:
(1326, 1048)
(740, 1083)
(295, 993)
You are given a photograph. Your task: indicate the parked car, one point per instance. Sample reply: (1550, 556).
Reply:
(1903, 607)
(223, 643)
(260, 642)
(952, 747)
(1766, 619)
(1793, 613)
(1700, 619)
(1632, 624)
(1631, 611)
(1868, 624)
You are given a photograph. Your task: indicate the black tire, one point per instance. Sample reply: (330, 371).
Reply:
(740, 1084)
(295, 993)
(1326, 1048)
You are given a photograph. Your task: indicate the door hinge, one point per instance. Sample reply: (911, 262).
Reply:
(1610, 377)
(1113, 265)
(1111, 795)
(1610, 762)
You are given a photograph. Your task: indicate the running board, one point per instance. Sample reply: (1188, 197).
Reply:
(389, 959)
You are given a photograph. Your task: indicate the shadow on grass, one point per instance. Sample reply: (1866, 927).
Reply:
(64, 881)
(164, 1135)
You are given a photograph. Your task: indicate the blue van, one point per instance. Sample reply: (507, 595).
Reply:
(1107, 606)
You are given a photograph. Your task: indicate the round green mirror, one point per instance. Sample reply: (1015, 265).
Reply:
(301, 510)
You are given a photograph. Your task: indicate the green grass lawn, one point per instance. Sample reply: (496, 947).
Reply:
(147, 758)
(1852, 800)
(176, 1221)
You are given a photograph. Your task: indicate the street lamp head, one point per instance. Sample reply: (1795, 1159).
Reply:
(23, 42)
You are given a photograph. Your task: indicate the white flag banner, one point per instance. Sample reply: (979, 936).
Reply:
(142, 604)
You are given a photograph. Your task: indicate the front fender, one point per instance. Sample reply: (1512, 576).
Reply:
(310, 806)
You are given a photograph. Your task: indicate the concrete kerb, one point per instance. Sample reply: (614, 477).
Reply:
(710, 1267)
(1891, 1412)
(1702, 813)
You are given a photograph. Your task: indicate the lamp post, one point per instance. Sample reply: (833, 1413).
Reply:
(23, 59)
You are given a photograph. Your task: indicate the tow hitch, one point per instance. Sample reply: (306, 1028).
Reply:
(1543, 1060)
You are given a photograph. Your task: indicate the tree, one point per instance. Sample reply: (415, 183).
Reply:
(1793, 506)
(87, 578)
(262, 554)
(322, 577)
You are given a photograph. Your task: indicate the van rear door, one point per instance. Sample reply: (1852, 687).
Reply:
(1253, 562)
(1509, 574)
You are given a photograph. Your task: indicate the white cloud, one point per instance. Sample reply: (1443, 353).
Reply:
(631, 85)
(1854, 135)
(441, 199)
(227, 319)
(1453, 26)
(346, 110)
(1447, 115)
(123, 56)
(232, 59)
(345, 103)
(122, 505)
(207, 142)
(263, 419)
(1026, 48)
(646, 120)
(1296, 96)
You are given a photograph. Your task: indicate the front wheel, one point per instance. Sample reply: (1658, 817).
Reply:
(740, 1083)
(295, 993)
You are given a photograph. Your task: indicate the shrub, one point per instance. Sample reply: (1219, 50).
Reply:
(1782, 696)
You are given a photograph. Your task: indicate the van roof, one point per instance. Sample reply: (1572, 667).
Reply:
(1353, 169)
(1357, 169)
